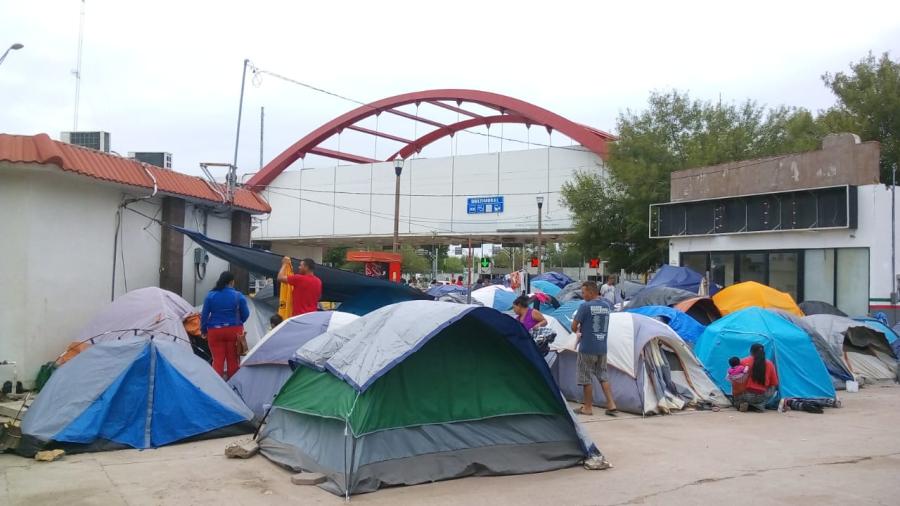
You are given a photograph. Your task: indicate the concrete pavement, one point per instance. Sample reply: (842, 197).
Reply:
(845, 456)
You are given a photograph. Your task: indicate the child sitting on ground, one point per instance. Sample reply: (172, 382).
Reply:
(737, 372)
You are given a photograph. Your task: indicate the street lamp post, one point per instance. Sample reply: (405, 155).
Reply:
(14, 47)
(540, 244)
(398, 169)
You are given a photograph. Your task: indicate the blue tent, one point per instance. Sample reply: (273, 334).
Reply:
(133, 392)
(681, 323)
(546, 287)
(679, 277)
(565, 312)
(557, 278)
(801, 372)
(441, 290)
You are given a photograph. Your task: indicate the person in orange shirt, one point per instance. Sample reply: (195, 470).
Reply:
(761, 385)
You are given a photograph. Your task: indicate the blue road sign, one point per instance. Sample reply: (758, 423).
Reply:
(484, 205)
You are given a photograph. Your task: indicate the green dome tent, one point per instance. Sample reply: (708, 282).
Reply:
(421, 391)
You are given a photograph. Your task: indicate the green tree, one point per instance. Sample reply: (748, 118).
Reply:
(869, 105)
(675, 132)
(453, 264)
(336, 256)
(412, 262)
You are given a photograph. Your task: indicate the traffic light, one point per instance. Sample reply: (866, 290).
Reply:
(594, 263)
(535, 262)
(485, 263)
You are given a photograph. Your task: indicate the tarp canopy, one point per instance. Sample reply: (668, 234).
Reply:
(265, 369)
(679, 277)
(750, 294)
(811, 307)
(557, 278)
(651, 369)
(660, 296)
(683, 325)
(337, 285)
(801, 372)
(138, 392)
(702, 309)
(419, 392)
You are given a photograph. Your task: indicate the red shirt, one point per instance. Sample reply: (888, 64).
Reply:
(771, 378)
(307, 291)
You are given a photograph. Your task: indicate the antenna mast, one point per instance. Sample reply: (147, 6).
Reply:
(77, 71)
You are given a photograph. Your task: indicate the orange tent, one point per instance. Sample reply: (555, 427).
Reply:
(702, 309)
(751, 293)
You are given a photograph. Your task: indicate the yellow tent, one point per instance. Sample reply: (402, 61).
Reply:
(285, 297)
(751, 293)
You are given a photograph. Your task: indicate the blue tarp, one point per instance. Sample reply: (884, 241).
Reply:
(441, 290)
(679, 277)
(801, 372)
(546, 287)
(685, 326)
(337, 285)
(557, 278)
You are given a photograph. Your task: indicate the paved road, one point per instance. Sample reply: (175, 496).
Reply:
(846, 456)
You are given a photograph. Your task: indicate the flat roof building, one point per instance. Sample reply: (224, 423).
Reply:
(816, 225)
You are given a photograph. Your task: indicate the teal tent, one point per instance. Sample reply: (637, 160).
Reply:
(801, 372)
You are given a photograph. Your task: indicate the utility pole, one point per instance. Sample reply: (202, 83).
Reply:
(540, 244)
(262, 127)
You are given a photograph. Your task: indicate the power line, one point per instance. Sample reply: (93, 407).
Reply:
(391, 194)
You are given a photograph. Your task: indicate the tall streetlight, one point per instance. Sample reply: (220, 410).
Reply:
(398, 169)
(540, 246)
(14, 47)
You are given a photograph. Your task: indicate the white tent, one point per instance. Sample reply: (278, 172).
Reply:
(651, 369)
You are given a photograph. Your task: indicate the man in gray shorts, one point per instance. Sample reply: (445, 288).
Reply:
(590, 325)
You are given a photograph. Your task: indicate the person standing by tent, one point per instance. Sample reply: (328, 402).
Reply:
(762, 384)
(610, 291)
(306, 286)
(222, 322)
(590, 325)
(528, 317)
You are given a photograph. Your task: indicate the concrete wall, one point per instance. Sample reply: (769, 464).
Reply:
(873, 232)
(57, 258)
(358, 200)
(843, 160)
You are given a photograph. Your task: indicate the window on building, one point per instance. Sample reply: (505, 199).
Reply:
(721, 268)
(852, 290)
(753, 267)
(695, 261)
(784, 272)
(818, 275)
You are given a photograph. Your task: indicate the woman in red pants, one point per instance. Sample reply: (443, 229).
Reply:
(222, 322)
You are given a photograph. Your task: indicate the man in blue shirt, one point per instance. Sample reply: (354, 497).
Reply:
(590, 325)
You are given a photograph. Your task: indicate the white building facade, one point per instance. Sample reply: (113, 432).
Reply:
(62, 258)
(448, 199)
(815, 225)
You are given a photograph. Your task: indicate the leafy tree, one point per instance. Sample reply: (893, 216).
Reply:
(869, 105)
(335, 257)
(675, 132)
(412, 262)
(453, 264)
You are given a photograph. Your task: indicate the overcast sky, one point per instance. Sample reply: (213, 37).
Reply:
(165, 75)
